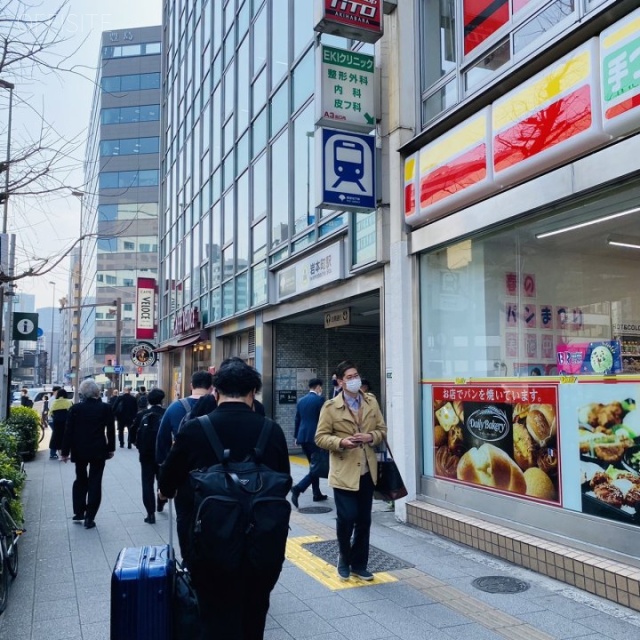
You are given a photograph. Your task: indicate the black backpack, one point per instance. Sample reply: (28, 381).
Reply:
(241, 508)
(148, 433)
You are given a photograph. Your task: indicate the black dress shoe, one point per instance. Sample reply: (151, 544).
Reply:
(150, 519)
(89, 524)
(129, 446)
(295, 494)
(160, 506)
(78, 518)
(320, 497)
(122, 445)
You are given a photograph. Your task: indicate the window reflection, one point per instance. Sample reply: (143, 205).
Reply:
(280, 190)
(279, 40)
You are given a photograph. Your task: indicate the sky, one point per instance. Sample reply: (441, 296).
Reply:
(47, 225)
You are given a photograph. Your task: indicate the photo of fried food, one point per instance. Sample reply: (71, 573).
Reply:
(446, 462)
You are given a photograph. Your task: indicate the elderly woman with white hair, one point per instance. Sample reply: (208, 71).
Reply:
(90, 440)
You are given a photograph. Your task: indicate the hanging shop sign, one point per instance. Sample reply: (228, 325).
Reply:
(310, 272)
(354, 19)
(348, 170)
(338, 318)
(25, 326)
(453, 170)
(145, 306)
(143, 355)
(346, 82)
(186, 320)
(620, 72)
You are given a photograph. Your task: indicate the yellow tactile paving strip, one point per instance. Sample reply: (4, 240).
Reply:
(324, 572)
(475, 610)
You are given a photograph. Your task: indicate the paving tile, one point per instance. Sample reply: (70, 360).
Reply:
(306, 624)
(566, 607)
(611, 626)
(439, 615)
(469, 631)
(555, 625)
(360, 627)
(286, 603)
(334, 606)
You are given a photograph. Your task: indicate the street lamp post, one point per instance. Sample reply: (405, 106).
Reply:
(53, 317)
(5, 378)
(78, 194)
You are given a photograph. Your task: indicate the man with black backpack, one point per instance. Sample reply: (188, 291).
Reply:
(148, 425)
(238, 466)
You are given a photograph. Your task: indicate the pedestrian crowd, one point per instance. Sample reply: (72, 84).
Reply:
(221, 425)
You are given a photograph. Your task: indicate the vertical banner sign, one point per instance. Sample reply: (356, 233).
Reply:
(145, 306)
(347, 89)
(355, 19)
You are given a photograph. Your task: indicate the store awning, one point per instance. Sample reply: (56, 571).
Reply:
(184, 341)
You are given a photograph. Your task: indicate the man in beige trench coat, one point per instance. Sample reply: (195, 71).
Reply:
(350, 427)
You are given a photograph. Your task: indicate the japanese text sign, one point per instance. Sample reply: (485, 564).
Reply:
(347, 89)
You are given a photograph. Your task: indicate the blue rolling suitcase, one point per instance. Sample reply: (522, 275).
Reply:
(141, 594)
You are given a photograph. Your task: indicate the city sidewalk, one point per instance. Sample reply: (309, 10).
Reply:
(62, 590)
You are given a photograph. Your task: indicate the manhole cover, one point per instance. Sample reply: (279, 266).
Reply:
(379, 560)
(314, 509)
(500, 584)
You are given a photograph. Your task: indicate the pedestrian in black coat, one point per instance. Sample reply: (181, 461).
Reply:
(89, 440)
(125, 410)
(232, 605)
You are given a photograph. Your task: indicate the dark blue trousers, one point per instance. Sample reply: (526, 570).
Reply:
(354, 519)
(303, 485)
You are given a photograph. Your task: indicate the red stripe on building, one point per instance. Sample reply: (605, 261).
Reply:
(460, 173)
(482, 18)
(409, 199)
(622, 107)
(559, 121)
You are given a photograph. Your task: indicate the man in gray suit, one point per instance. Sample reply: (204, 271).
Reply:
(306, 422)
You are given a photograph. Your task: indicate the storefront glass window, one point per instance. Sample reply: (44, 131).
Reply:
(439, 40)
(279, 39)
(259, 240)
(280, 190)
(242, 292)
(304, 184)
(259, 284)
(259, 187)
(216, 305)
(227, 299)
(545, 297)
(302, 26)
(364, 238)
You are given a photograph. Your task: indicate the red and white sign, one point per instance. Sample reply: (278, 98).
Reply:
(145, 309)
(356, 19)
(186, 320)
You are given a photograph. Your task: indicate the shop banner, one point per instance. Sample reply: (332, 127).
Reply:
(501, 437)
(354, 19)
(601, 449)
(589, 358)
(620, 67)
(145, 306)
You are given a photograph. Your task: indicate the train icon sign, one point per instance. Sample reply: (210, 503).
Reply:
(348, 170)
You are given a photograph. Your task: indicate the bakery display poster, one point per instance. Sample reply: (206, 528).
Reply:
(589, 358)
(501, 437)
(604, 475)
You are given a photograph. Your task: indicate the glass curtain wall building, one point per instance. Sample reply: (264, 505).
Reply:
(120, 203)
(238, 166)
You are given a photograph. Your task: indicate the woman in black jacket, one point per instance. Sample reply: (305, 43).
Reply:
(90, 440)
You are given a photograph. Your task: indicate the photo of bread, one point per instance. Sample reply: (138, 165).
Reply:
(491, 467)
(499, 442)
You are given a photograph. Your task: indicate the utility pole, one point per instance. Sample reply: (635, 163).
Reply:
(118, 302)
(78, 194)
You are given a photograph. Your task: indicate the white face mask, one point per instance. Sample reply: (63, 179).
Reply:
(353, 385)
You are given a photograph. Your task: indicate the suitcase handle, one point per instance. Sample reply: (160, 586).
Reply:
(171, 527)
